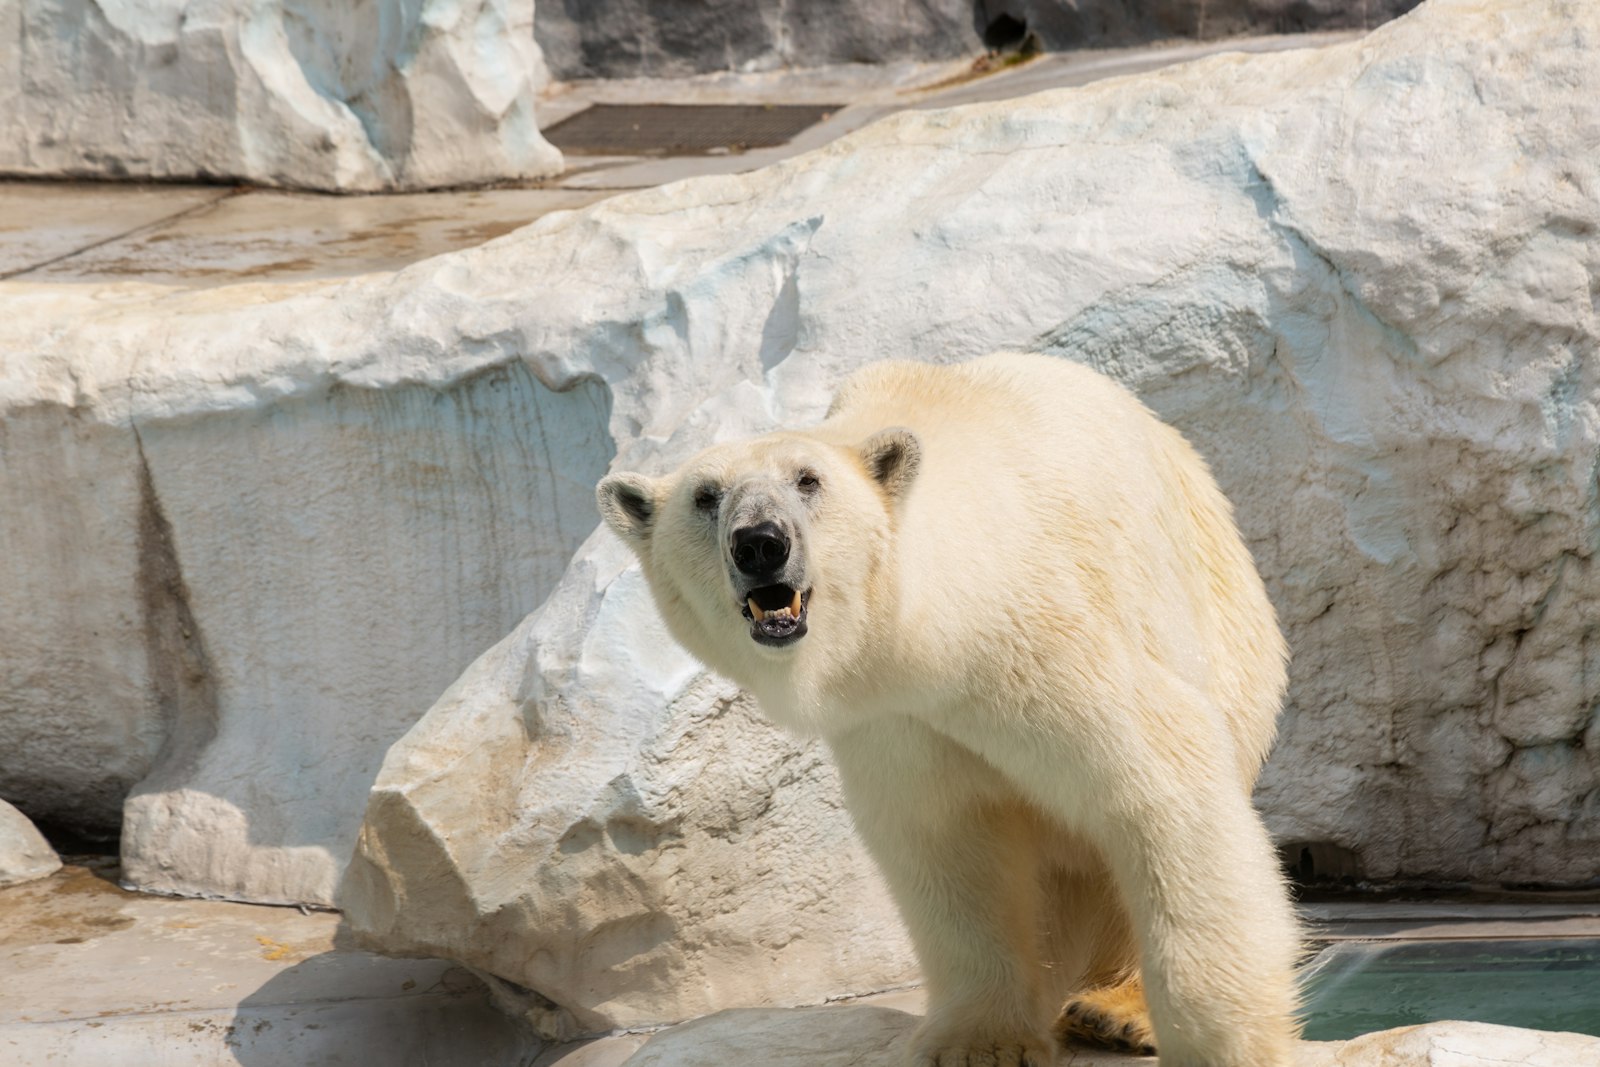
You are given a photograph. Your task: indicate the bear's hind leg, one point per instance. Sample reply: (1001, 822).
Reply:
(1110, 1016)
(1093, 947)
(1219, 938)
(961, 857)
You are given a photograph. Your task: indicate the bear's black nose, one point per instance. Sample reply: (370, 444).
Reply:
(760, 550)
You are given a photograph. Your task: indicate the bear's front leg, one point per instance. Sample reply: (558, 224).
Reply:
(1188, 853)
(961, 858)
(1218, 936)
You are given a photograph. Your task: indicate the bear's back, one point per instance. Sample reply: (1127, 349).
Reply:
(1051, 502)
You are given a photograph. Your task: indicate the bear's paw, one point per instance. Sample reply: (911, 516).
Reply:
(1114, 1017)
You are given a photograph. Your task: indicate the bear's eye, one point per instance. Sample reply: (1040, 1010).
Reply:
(809, 482)
(707, 497)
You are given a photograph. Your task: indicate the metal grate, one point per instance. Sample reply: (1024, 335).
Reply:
(682, 129)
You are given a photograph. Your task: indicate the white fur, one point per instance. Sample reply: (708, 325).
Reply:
(1049, 674)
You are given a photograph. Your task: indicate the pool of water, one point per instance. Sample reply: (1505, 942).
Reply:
(1355, 988)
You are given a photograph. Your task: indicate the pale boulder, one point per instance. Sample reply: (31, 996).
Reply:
(317, 94)
(590, 815)
(1454, 1044)
(24, 853)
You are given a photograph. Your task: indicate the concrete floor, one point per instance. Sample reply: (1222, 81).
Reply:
(201, 236)
(194, 236)
(90, 973)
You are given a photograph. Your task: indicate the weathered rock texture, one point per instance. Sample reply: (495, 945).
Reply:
(80, 717)
(631, 38)
(236, 583)
(319, 94)
(588, 813)
(1454, 1044)
(1362, 279)
(24, 853)
(634, 38)
(806, 1037)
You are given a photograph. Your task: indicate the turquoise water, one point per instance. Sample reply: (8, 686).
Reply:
(1354, 989)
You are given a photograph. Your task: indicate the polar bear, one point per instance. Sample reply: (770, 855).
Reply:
(1015, 605)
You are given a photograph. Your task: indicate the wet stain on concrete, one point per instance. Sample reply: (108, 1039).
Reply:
(73, 906)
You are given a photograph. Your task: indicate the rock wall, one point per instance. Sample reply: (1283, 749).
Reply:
(638, 38)
(81, 720)
(1089, 23)
(227, 593)
(344, 555)
(318, 94)
(634, 38)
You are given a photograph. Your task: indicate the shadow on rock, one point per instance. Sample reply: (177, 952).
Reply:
(857, 1036)
(353, 1007)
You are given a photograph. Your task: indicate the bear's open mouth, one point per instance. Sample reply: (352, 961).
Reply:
(777, 613)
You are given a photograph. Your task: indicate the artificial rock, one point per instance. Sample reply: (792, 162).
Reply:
(231, 588)
(24, 853)
(1361, 279)
(590, 815)
(1454, 1044)
(315, 94)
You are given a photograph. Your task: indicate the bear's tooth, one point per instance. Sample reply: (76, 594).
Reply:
(755, 609)
(794, 606)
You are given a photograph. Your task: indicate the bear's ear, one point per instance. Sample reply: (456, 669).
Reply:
(892, 457)
(628, 504)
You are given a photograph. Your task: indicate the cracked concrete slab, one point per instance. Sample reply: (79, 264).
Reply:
(276, 236)
(43, 222)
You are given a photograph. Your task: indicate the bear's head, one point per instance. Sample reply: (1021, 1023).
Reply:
(768, 554)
